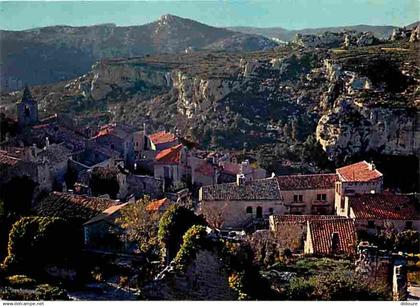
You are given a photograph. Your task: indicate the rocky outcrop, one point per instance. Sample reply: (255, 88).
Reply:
(109, 78)
(415, 34)
(325, 40)
(205, 278)
(196, 94)
(349, 128)
(336, 39)
(404, 34)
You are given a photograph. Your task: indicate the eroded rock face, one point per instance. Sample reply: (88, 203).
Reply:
(349, 128)
(204, 279)
(196, 94)
(411, 35)
(107, 78)
(415, 34)
(326, 39)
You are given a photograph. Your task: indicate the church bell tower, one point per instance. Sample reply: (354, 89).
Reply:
(27, 109)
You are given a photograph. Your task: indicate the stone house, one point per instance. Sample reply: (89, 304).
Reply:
(290, 231)
(117, 137)
(46, 167)
(308, 194)
(371, 212)
(162, 140)
(242, 201)
(358, 178)
(102, 233)
(331, 237)
(74, 208)
(205, 174)
(171, 165)
(228, 170)
(146, 144)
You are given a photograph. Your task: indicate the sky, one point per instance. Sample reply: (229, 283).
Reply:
(289, 14)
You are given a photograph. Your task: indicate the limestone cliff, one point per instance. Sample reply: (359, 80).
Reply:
(351, 128)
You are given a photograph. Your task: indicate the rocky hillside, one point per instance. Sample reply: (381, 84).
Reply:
(50, 54)
(353, 101)
(381, 32)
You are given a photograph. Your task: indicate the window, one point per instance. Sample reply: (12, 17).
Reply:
(259, 212)
(112, 147)
(409, 224)
(321, 197)
(371, 224)
(271, 210)
(298, 198)
(249, 210)
(27, 111)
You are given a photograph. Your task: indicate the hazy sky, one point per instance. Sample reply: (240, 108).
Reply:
(290, 14)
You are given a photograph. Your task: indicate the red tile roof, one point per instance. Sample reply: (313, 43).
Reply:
(303, 218)
(80, 208)
(157, 204)
(307, 182)
(359, 172)
(384, 206)
(107, 214)
(206, 169)
(118, 130)
(231, 168)
(322, 231)
(169, 156)
(162, 137)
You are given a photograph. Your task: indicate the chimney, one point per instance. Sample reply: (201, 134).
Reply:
(34, 151)
(240, 179)
(144, 129)
(372, 166)
(334, 242)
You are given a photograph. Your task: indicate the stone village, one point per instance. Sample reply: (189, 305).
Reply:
(308, 214)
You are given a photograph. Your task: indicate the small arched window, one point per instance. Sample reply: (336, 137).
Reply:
(249, 210)
(27, 111)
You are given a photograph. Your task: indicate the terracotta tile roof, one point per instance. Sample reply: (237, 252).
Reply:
(302, 218)
(231, 168)
(106, 215)
(162, 137)
(322, 233)
(119, 130)
(6, 160)
(206, 169)
(358, 172)
(157, 204)
(72, 207)
(264, 189)
(169, 156)
(384, 206)
(307, 182)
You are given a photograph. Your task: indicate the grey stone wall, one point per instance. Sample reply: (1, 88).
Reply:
(204, 279)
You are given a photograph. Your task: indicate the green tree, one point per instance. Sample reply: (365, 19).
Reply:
(408, 241)
(36, 241)
(173, 225)
(141, 226)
